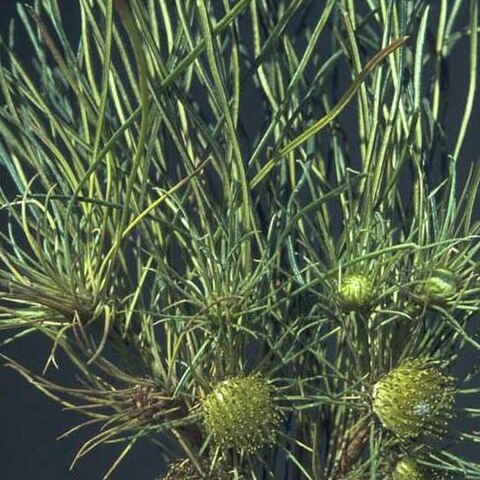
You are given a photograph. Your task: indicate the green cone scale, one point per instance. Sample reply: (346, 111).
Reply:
(356, 293)
(440, 287)
(240, 413)
(415, 398)
(408, 469)
(185, 470)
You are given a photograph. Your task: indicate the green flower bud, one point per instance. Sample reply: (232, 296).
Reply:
(414, 398)
(356, 293)
(240, 413)
(408, 469)
(440, 286)
(185, 470)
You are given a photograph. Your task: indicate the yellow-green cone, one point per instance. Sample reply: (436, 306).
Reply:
(415, 398)
(185, 470)
(240, 413)
(356, 293)
(408, 469)
(440, 287)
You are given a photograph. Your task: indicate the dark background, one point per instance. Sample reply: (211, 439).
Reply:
(30, 422)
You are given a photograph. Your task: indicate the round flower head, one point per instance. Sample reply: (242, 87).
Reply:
(185, 470)
(414, 398)
(440, 287)
(408, 469)
(240, 413)
(356, 293)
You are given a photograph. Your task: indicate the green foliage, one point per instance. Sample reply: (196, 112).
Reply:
(186, 205)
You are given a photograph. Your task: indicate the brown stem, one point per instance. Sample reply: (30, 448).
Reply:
(354, 448)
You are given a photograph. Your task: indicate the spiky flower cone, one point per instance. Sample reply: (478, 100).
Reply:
(185, 470)
(408, 469)
(440, 287)
(240, 413)
(356, 293)
(414, 398)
